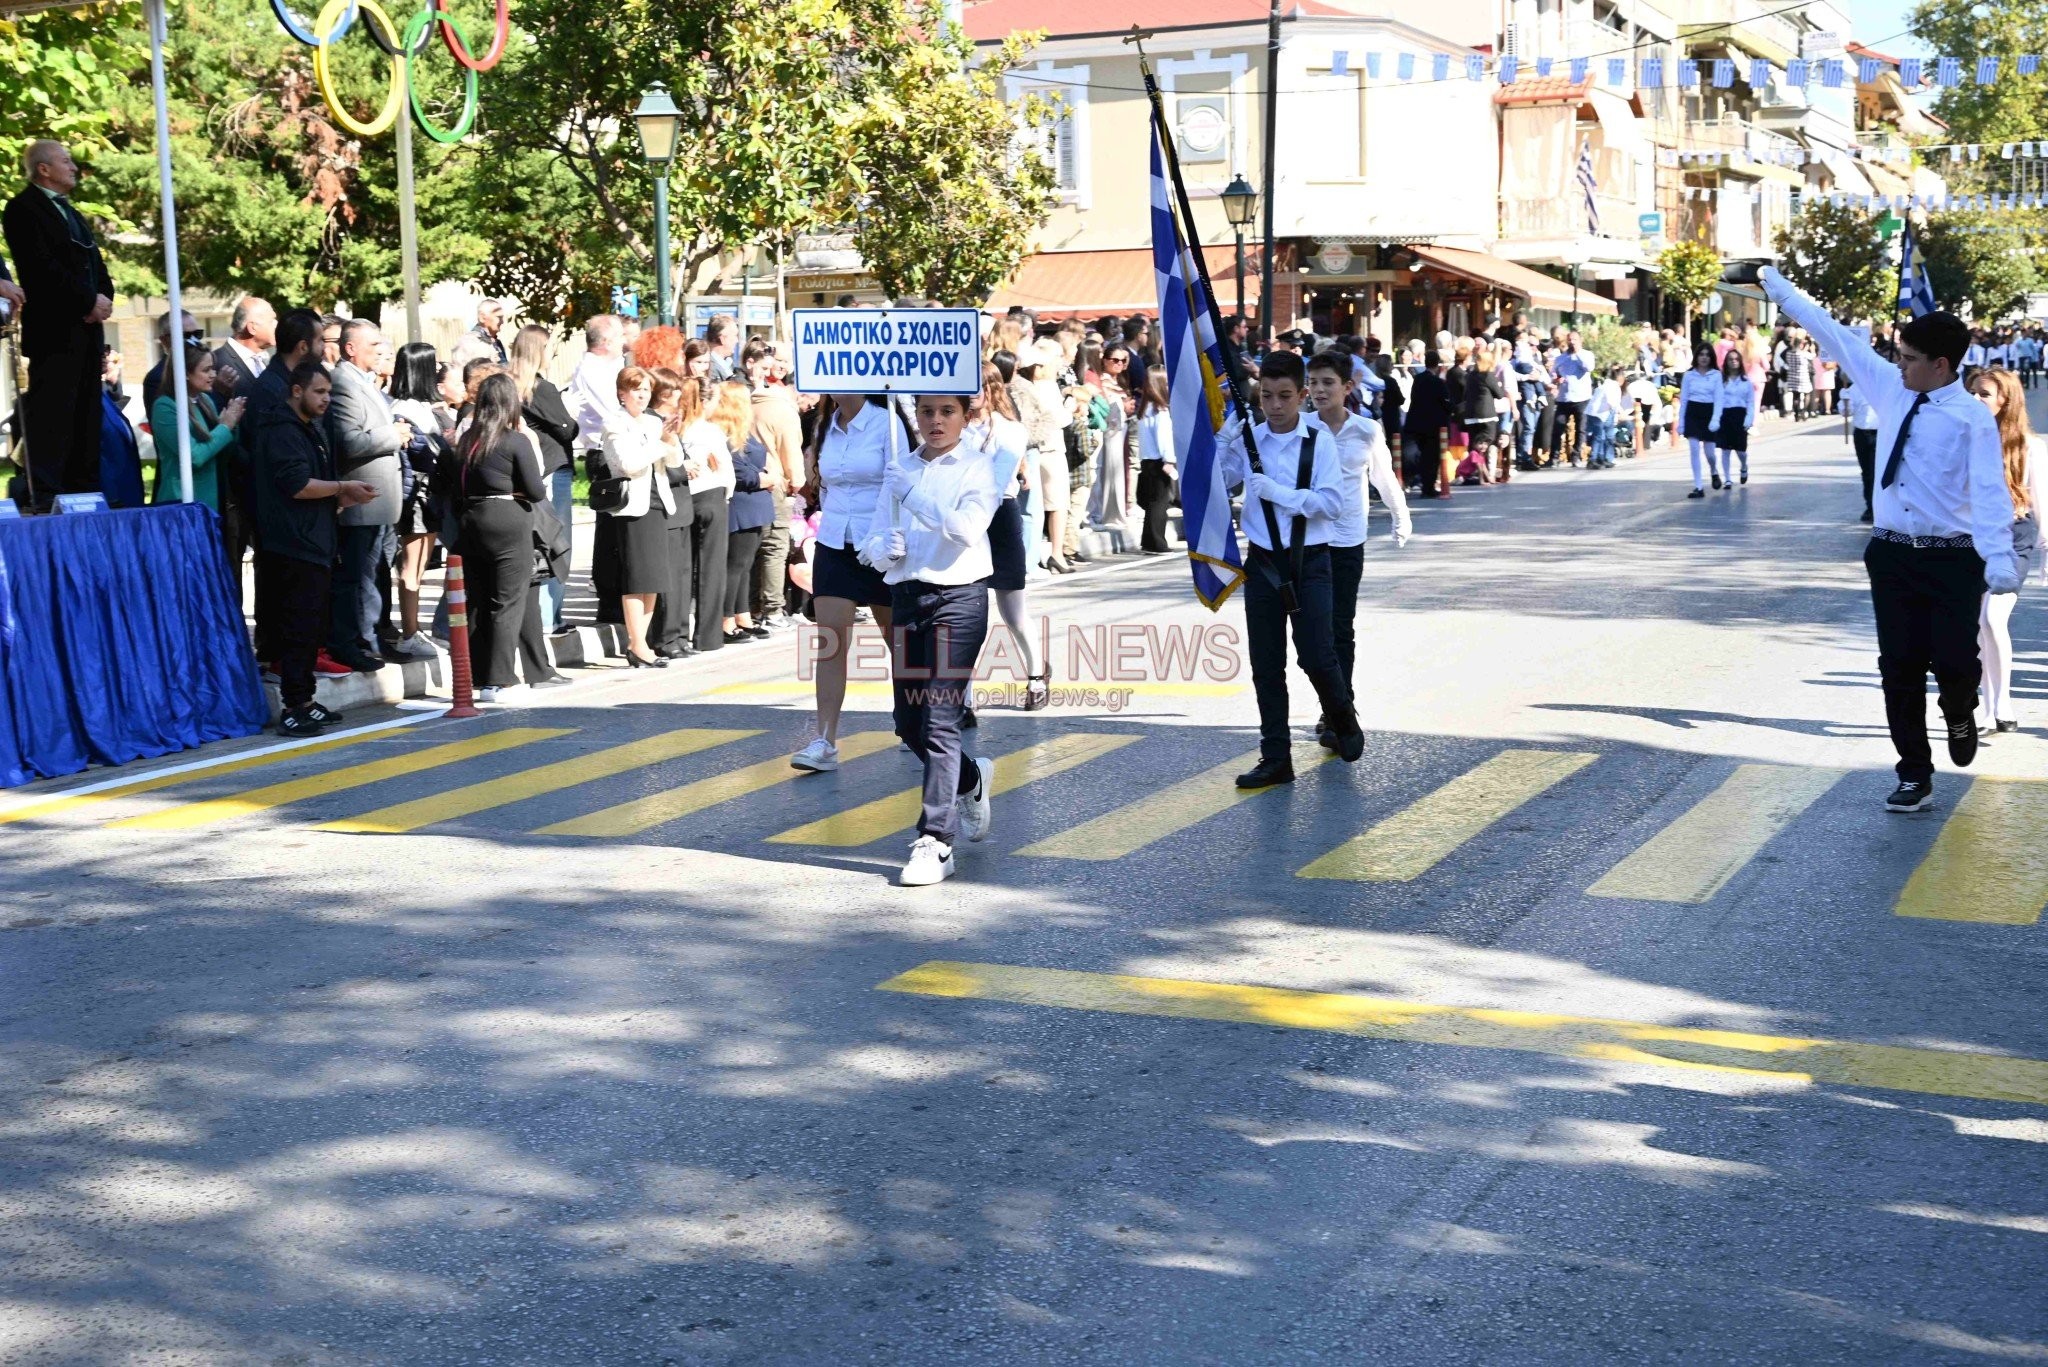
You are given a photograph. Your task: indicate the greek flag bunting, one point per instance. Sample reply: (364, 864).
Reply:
(1194, 365)
(1916, 291)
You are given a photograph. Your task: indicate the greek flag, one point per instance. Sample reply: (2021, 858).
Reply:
(1194, 363)
(1589, 185)
(1916, 291)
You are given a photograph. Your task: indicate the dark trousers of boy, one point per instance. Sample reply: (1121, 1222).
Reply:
(1865, 439)
(292, 610)
(1266, 623)
(938, 631)
(1347, 568)
(497, 571)
(1567, 429)
(1422, 458)
(1927, 600)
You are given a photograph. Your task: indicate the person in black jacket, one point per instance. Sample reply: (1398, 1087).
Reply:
(546, 415)
(1429, 413)
(496, 477)
(297, 496)
(68, 295)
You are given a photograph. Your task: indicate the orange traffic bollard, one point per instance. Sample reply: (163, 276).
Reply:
(458, 644)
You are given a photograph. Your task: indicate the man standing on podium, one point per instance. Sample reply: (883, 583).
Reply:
(68, 296)
(1943, 526)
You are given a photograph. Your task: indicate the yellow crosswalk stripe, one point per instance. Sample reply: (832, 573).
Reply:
(1135, 825)
(645, 813)
(1989, 863)
(1411, 842)
(1934, 1072)
(153, 783)
(206, 813)
(898, 811)
(548, 778)
(1694, 857)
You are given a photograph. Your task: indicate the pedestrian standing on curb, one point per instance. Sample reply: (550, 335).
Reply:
(1157, 467)
(2026, 480)
(1943, 534)
(1301, 491)
(994, 430)
(1734, 411)
(929, 538)
(297, 498)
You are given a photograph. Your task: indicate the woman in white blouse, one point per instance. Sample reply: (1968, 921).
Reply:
(851, 456)
(707, 464)
(1156, 469)
(641, 448)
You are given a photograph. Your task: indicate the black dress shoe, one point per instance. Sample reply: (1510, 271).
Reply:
(1266, 773)
(1962, 741)
(651, 662)
(733, 638)
(2005, 726)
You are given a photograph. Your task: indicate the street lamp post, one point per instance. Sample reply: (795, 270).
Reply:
(659, 121)
(1240, 206)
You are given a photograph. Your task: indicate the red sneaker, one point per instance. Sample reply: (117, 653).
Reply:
(331, 667)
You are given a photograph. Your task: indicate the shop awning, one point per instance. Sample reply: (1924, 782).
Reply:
(1540, 290)
(1116, 282)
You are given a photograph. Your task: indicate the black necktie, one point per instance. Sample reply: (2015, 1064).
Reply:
(1891, 464)
(80, 233)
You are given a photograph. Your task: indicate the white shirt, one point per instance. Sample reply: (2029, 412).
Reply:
(701, 441)
(851, 463)
(1973, 355)
(1004, 441)
(1734, 394)
(1363, 458)
(1280, 454)
(1951, 479)
(592, 396)
(944, 519)
(256, 361)
(1155, 436)
(1606, 400)
(1700, 386)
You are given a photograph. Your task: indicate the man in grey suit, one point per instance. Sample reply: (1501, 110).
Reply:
(366, 442)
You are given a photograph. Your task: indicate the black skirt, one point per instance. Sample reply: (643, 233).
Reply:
(643, 551)
(1733, 433)
(1006, 547)
(837, 573)
(1699, 421)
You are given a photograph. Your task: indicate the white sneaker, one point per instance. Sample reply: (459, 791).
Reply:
(418, 646)
(931, 861)
(821, 756)
(974, 807)
(484, 695)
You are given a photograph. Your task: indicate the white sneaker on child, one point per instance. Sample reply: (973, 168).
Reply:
(931, 861)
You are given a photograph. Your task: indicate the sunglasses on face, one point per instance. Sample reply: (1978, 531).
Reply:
(194, 338)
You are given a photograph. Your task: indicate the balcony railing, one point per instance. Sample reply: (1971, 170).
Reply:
(1730, 133)
(1525, 219)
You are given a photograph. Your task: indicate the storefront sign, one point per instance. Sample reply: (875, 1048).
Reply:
(887, 351)
(1650, 224)
(1335, 258)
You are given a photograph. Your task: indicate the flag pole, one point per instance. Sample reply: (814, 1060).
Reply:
(1233, 377)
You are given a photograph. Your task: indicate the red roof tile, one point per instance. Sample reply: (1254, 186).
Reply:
(1544, 90)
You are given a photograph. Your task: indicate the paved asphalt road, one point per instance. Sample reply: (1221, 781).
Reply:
(1600, 1015)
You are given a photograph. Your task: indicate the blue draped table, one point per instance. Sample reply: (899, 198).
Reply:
(119, 640)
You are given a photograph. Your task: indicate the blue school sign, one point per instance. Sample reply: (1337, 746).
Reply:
(887, 351)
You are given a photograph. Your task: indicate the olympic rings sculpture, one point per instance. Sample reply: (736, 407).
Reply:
(403, 47)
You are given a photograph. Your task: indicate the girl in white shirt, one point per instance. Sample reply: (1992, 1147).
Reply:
(2026, 479)
(855, 442)
(1699, 396)
(640, 447)
(1734, 412)
(1156, 468)
(996, 431)
(707, 464)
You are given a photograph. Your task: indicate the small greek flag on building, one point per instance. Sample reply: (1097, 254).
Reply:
(1916, 291)
(1589, 185)
(1194, 363)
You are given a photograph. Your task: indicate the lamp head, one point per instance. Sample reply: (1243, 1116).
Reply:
(659, 122)
(1240, 202)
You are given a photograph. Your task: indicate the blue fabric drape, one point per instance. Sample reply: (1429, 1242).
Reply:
(119, 640)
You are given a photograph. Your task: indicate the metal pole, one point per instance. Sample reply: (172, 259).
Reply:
(781, 291)
(169, 210)
(1240, 272)
(666, 311)
(746, 290)
(408, 227)
(1272, 147)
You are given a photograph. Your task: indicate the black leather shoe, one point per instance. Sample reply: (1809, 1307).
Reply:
(1962, 741)
(1266, 773)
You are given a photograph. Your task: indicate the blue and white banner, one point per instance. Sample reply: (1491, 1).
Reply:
(1194, 365)
(1916, 291)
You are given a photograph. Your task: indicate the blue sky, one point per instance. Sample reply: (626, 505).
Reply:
(1874, 21)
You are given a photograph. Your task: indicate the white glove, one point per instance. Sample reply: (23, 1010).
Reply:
(898, 483)
(1264, 487)
(1400, 540)
(894, 548)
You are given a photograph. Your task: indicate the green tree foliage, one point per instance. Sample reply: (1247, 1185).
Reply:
(1986, 273)
(60, 74)
(2016, 106)
(952, 181)
(1689, 272)
(1836, 255)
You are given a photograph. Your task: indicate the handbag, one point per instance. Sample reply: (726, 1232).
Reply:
(550, 545)
(608, 492)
